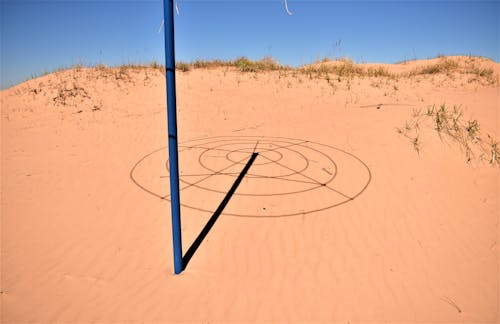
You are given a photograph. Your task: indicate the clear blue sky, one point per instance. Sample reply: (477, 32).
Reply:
(38, 36)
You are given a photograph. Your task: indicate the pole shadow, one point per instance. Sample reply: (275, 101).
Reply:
(204, 232)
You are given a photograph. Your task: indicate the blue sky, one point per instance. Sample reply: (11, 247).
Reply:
(39, 36)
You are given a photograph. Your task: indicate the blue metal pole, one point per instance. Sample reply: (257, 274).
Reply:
(168, 14)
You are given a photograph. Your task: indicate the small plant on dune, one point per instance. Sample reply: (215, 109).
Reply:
(445, 65)
(198, 64)
(494, 152)
(122, 73)
(34, 75)
(244, 65)
(430, 111)
(348, 68)
(77, 67)
(448, 65)
(416, 113)
(378, 72)
(182, 66)
(484, 73)
(416, 144)
(446, 121)
(441, 118)
(495, 157)
(155, 65)
(456, 117)
(63, 94)
(323, 69)
(344, 68)
(266, 64)
(203, 64)
(101, 67)
(472, 129)
(449, 123)
(309, 71)
(407, 129)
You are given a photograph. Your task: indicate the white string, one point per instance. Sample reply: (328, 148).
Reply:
(163, 21)
(177, 11)
(161, 26)
(286, 8)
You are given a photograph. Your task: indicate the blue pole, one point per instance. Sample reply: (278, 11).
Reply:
(168, 15)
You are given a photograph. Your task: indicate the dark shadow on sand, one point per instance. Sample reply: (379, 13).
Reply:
(204, 232)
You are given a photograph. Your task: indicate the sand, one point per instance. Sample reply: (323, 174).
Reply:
(339, 219)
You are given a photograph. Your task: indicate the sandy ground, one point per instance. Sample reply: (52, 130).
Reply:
(339, 219)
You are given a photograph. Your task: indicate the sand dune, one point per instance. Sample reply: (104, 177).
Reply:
(341, 218)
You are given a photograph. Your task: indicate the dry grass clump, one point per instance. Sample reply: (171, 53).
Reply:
(447, 66)
(378, 72)
(67, 95)
(450, 124)
(482, 73)
(123, 69)
(266, 64)
(342, 68)
(345, 68)
(326, 68)
(444, 65)
(495, 153)
(243, 64)
(208, 64)
(182, 66)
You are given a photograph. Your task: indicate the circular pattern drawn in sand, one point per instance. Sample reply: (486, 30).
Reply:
(288, 177)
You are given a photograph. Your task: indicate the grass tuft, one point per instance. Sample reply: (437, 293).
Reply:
(449, 123)
(472, 129)
(444, 65)
(182, 66)
(495, 156)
